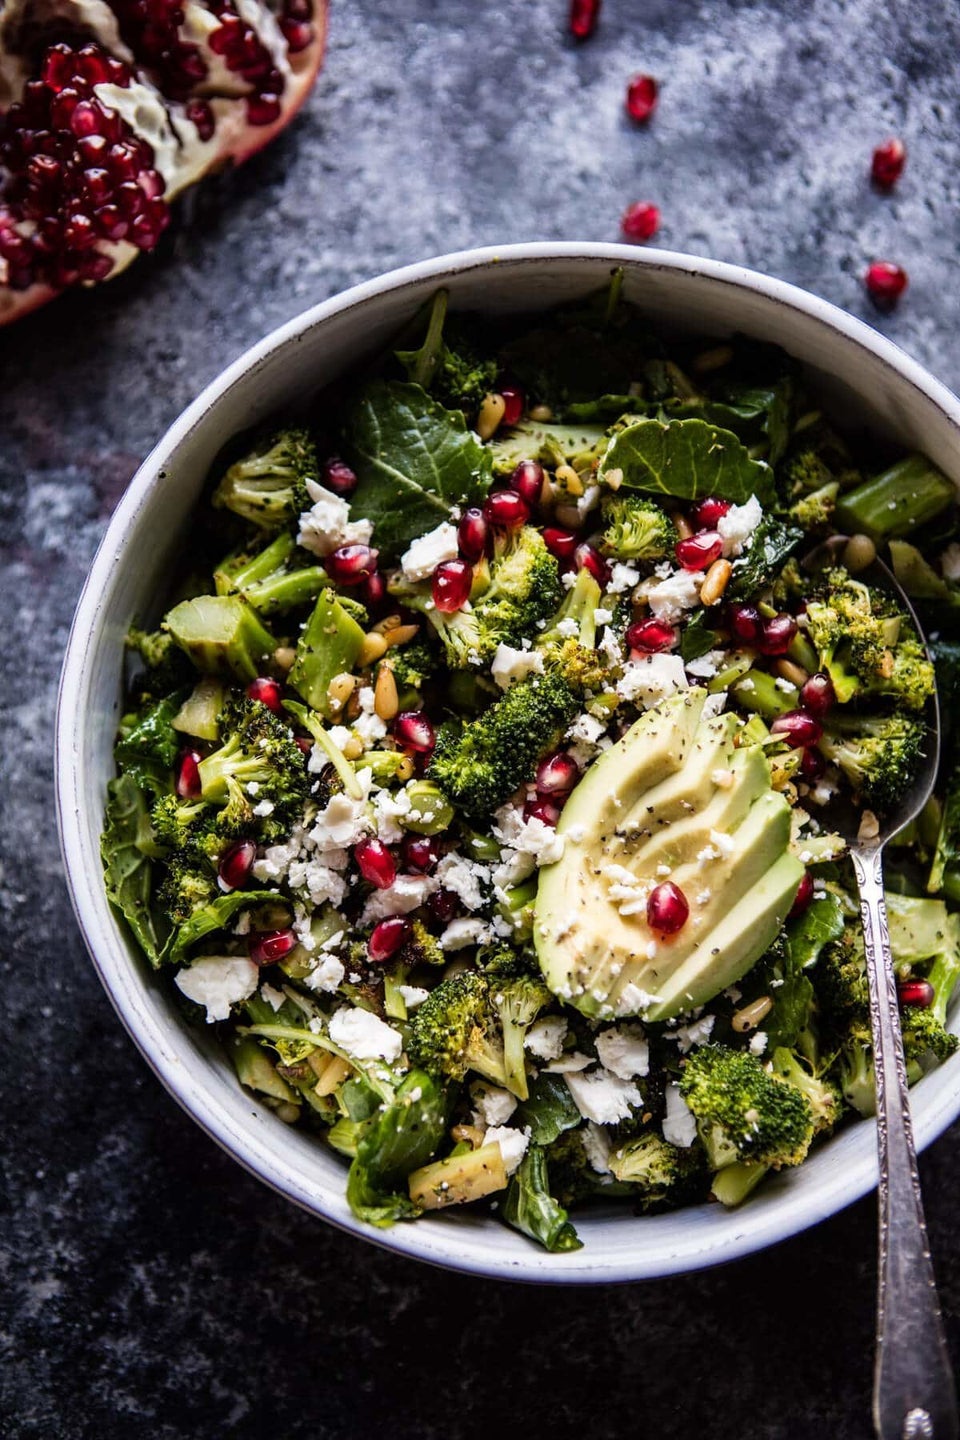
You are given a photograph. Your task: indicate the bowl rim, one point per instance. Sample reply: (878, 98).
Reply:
(448, 1248)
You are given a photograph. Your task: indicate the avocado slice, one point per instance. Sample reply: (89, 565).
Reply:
(674, 799)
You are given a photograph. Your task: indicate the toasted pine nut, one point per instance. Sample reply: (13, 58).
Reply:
(541, 413)
(568, 478)
(683, 526)
(337, 1070)
(386, 701)
(613, 479)
(750, 1016)
(352, 748)
(492, 408)
(389, 622)
(858, 553)
(284, 656)
(288, 1113)
(340, 689)
(374, 645)
(406, 768)
(569, 516)
(714, 359)
(788, 670)
(400, 635)
(715, 582)
(352, 708)
(468, 1132)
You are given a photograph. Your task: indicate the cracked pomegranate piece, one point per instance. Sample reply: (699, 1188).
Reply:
(110, 108)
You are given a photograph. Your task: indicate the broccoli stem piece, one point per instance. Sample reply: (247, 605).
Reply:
(458, 1179)
(266, 581)
(759, 692)
(329, 645)
(312, 723)
(897, 501)
(735, 1182)
(221, 634)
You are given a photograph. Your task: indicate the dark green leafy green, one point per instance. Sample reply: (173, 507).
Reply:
(687, 459)
(770, 546)
(396, 1140)
(148, 745)
(697, 637)
(125, 847)
(530, 1208)
(548, 1111)
(208, 919)
(415, 461)
(806, 936)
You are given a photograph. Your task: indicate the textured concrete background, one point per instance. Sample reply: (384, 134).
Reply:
(149, 1287)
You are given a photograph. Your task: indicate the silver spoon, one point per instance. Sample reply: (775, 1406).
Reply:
(914, 1397)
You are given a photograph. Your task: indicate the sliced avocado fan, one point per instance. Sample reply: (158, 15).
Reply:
(675, 799)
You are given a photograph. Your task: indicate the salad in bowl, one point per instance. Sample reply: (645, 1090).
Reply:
(476, 779)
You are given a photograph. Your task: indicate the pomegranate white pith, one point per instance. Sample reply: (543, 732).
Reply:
(109, 108)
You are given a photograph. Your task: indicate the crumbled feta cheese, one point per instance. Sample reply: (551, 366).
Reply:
(713, 705)
(341, 823)
(465, 877)
(412, 995)
(725, 843)
(513, 1144)
(568, 1064)
(569, 629)
(510, 665)
(422, 557)
(723, 779)
(263, 808)
(950, 562)
(698, 1032)
(587, 729)
(704, 667)
(388, 810)
(602, 616)
(274, 998)
(623, 1050)
(523, 841)
(545, 1038)
(365, 1036)
(633, 1000)
(611, 649)
(671, 597)
(494, 1105)
(622, 577)
(218, 981)
(758, 1043)
(597, 1146)
(651, 679)
(679, 1126)
(461, 933)
(326, 975)
(739, 523)
(327, 524)
(408, 892)
(603, 1097)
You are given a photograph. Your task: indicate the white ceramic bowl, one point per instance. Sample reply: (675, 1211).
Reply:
(864, 379)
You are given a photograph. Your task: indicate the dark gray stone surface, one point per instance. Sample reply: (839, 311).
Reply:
(149, 1287)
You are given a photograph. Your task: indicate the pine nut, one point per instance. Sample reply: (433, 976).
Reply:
(400, 635)
(386, 701)
(374, 645)
(858, 553)
(468, 1132)
(788, 670)
(750, 1016)
(352, 748)
(491, 412)
(569, 479)
(683, 526)
(715, 582)
(714, 359)
(541, 413)
(352, 708)
(284, 656)
(568, 516)
(390, 622)
(337, 1070)
(288, 1113)
(340, 689)
(613, 479)
(406, 768)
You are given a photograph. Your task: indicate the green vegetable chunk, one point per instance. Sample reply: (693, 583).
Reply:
(530, 1208)
(221, 634)
(330, 645)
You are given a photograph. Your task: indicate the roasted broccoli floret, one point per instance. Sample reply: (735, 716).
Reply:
(268, 580)
(480, 763)
(817, 457)
(824, 1096)
(814, 511)
(661, 1175)
(636, 529)
(421, 948)
(878, 755)
(456, 1030)
(853, 629)
(448, 363)
(259, 749)
(517, 1000)
(268, 486)
(189, 883)
(743, 1111)
(413, 664)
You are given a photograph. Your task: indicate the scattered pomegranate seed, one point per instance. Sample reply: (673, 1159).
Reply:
(263, 109)
(388, 937)
(667, 908)
(640, 221)
(584, 15)
(698, 552)
(557, 774)
(798, 727)
(268, 692)
(651, 636)
(812, 765)
(443, 905)
(304, 744)
(297, 33)
(803, 897)
(338, 477)
(419, 852)
(885, 283)
(200, 114)
(513, 404)
(642, 93)
(586, 557)
(708, 511)
(351, 564)
(506, 509)
(777, 635)
(450, 585)
(472, 534)
(188, 785)
(412, 729)
(916, 992)
(887, 164)
(236, 862)
(546, 810)
(269, 946)
(561, 543)
(818, 695)
(746, 624)
(527, 480)
(374, 588)
(375, 862)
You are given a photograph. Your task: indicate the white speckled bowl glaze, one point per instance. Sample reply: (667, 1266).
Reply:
(864, 378)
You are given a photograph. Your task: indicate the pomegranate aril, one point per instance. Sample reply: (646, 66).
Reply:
(885, 282)
(561, 543)
(338, 477)
(652, 636)
(94, 149)
(130, 198)
(187, 782)
(268, 692)
(419, 852)
(472, 533)
(698, 552)
(79, 232)
(706, 514)
(375, 863)
(297, 33)
(198, 112)
(812, 765)
(817, 695)
(797, 727)
(111, 224)
(43, 171)
(887, 163)
(152, 183)
(443, 905)
(584, 15)
(236, 864)
(506, 509)
(527, 480)
(803, 897)
(97, 186)
(263, 109)
(513, 403)
(640, 221)
(145, 231)
(87, 119)
(94, 67)
(667, 908)
(374, 588)
(541, 809)
(351, 564)
(557, 774)
(388, 937)
(57, 68)
(266, 947)
(95, 267)
(62, 107)
(122, 162)
(413, 731)
(746, 624)
(450, 585)
(585, 557)
(641, 98)
(916, 992)
(777, 635)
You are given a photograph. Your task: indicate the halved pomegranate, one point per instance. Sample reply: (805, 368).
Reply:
(109, 108)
